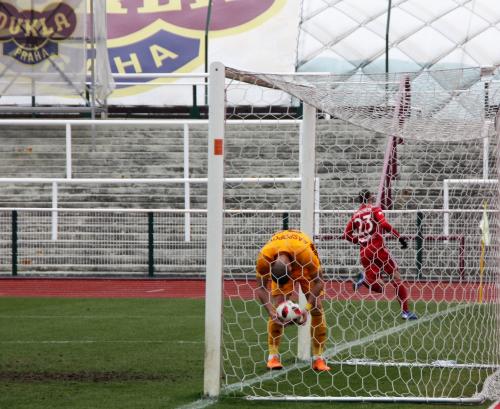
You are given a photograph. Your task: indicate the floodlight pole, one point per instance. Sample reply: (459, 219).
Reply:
(92, 72)
(387, 29)
(215, 228)
(207, 31)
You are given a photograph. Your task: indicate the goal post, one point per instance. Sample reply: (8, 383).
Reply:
(307, 161)
(337, 128)
(215, 229)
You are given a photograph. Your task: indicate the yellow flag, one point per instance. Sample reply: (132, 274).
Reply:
(485, 227)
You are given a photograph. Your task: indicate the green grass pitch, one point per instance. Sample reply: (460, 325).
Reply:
(148, 353)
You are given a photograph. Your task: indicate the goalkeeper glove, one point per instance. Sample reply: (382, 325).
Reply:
(403, 242)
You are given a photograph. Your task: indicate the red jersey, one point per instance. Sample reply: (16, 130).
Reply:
(367, 227)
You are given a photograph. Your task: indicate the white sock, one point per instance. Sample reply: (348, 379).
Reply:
(271, 356)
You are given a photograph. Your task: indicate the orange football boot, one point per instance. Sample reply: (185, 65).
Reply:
(319, 364)
(274, 363)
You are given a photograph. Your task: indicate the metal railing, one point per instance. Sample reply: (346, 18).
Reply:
(186, 180)
(55, 182)
(150, 242)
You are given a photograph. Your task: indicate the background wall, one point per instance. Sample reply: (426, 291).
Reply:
(343, 36)
(252, 35)
(346, 36)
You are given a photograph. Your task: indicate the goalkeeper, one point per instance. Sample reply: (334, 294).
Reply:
(290, 257)
(366, 228)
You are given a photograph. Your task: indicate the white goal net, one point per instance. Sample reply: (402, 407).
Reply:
(306, 146)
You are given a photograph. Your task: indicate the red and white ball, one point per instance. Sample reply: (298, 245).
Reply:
(288, 311)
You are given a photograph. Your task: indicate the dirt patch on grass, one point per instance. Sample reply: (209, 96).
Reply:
(82, 376)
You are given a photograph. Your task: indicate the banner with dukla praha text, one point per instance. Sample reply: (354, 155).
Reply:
(43, 47)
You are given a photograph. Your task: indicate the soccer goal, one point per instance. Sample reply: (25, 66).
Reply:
(302, 149)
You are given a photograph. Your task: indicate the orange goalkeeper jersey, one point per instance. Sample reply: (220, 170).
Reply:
(300, 248)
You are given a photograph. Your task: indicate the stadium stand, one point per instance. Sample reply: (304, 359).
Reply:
(157, 152)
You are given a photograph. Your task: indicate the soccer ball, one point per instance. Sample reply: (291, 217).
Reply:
(288, 312)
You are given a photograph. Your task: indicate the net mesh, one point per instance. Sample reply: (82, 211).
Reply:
(407, 135)
(451, 101)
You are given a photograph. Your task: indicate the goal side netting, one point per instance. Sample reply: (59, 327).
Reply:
(296, 153)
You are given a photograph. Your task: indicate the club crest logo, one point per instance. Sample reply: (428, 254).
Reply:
(31, 36)
(161, 36)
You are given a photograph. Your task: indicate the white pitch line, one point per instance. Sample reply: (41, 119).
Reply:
(204, 403)
(199, 404)
(90, 341)
(435, 364)
(91, 317)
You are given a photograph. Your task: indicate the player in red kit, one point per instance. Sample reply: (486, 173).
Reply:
(366, 228)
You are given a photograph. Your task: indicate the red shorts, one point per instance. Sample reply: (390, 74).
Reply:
(375, 260)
